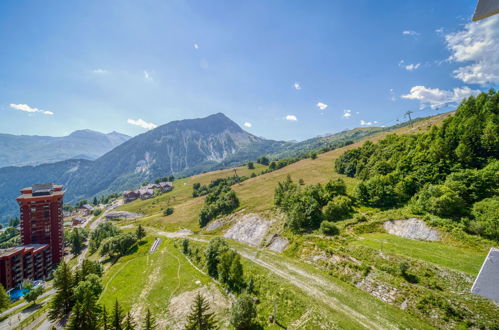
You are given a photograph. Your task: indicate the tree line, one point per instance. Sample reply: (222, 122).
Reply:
(450, 171)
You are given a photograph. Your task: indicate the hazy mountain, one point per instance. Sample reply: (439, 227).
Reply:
(179, 147)
(20, 150)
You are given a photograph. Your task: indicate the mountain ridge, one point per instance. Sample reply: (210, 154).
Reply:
(22, 150)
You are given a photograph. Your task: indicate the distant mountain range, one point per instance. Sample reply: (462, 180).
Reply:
(20, 150)
(181, 148)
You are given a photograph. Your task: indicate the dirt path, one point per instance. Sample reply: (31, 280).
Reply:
(312, 285)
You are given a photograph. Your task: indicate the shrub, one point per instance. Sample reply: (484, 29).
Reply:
(338, 208)
(329, 228)
(168, 211)
(486, 218)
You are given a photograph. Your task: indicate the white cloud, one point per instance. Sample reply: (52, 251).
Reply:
(147, 75)
(321, 105)
(436, 98)
(409, 67)
(99, 71)
(297, 86)
(410, 33)
(439, 30)
(367, 123)
(347, 113)
(412, 67)
(291, 118)
(247, 124)
(478, 43)
(142, 123)
(393, 98)
(196, 46)
(27, 108)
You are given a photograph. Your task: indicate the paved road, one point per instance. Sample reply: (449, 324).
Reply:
(23, 304)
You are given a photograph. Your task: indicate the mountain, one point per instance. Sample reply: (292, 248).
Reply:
(21, 150)
(180, 147)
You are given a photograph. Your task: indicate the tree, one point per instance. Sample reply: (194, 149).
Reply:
(236, 276)
(4, 298)
(85, 313)
(76, 239)
(338, 208)
(200, 318)
(95, 202)
(251, 166)
(129, 324)
(313, 155)
(215, 248)
(63, 300)
(14, 222)
(117, 245)
(104, 319)
(32, 292)
(486, 218)
(329, 228)
(149, 321)
(141, 233)
(185, 246)
(168, 211)
(243, 313)
(117, 317)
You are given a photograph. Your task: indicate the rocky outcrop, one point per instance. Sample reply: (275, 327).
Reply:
(249, 228)
(411, 228)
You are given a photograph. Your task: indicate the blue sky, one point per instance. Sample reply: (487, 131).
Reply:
(288, 69)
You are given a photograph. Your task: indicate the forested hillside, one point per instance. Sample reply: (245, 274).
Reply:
(450, 171)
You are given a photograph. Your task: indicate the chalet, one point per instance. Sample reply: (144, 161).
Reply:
(78, 221)
(130, 195)
(146, 191)
(86, 210)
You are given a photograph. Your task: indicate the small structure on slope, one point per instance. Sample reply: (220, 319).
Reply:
(487, 282)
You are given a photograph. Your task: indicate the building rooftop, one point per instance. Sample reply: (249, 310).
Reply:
(486, 283)
(10, 251)
(41, 190)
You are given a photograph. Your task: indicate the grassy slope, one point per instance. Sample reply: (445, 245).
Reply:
(150, 279)
(465, 260)
(255, 194)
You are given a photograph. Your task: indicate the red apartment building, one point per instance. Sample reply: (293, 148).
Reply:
(27, 262)
(42, 236)
(42, 221)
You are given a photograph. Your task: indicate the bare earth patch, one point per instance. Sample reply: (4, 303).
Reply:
(180, 305)
(278, 243)
(249, 228)
(413, 228)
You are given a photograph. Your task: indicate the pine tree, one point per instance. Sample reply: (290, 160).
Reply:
(104, 319)
(141, 233)
(129, 324)
(4, 298)
(95, 202)
(149, 322)
(200, 318)
(63, 299)
(117, 317)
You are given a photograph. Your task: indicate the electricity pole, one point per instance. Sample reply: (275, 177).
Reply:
(408, 114)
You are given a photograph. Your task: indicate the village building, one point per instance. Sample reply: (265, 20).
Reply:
(146, 191)
(86, 210)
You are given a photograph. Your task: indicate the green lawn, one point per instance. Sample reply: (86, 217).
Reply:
(468, 261)
(150, 280)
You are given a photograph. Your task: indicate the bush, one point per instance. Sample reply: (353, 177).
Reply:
(97, 212)
(251, 166)
(338, 208)
(329, 228)
(243, 313)
(168, 211)
(486, 218)
(439, 200)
